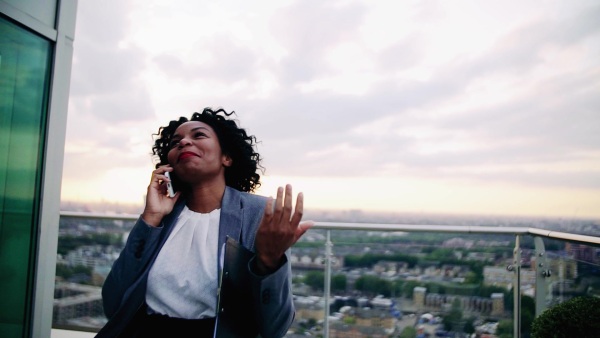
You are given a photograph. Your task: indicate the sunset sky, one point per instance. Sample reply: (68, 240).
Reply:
(466, 107)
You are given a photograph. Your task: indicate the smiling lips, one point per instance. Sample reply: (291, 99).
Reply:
(185, 155)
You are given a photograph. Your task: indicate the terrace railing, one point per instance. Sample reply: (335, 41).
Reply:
(550, 268)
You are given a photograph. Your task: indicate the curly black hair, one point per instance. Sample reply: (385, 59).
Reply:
(234, 141)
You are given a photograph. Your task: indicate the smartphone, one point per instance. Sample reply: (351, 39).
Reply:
(170, 190)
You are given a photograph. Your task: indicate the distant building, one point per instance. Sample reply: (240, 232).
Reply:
(380, 318)
(424, 301)
(500, 276)
(469, 304)
(365, 323)
(498, 304)
(390, 267)
(315, 262)
(381, 302)
(90, 256)
(419, 297)
(76, 301)
(453, 271)
(309, 308)
(562, 267)
(480, 256)
(582, 252)
(342, 330)
(458, 242)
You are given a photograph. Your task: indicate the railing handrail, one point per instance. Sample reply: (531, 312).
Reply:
(95, 215)
(584, 239)
(565, 236)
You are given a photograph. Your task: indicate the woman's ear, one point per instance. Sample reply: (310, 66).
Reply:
(227, 161)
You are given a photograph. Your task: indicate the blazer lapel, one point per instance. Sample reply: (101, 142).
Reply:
(230, 223)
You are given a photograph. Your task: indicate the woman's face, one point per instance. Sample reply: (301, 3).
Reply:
(195, 153)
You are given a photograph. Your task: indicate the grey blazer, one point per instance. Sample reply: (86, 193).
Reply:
(270, 309)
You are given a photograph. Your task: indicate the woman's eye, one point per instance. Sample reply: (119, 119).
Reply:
(199, 134)
(173, 144)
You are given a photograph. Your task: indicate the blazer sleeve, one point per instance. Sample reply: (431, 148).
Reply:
(273, 300)
(130, 264)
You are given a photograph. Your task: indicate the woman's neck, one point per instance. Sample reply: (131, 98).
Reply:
(205, 198)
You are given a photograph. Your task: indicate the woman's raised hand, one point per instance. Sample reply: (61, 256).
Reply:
(158, 203)
(279, 229)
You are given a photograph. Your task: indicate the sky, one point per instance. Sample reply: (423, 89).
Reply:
(460, 107)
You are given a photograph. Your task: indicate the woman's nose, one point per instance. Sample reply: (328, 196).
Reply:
(184, 142)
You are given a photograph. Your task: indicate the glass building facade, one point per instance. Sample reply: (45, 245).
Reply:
(24, 79)
(35, 61)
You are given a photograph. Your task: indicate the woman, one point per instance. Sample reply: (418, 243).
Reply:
(167, 280)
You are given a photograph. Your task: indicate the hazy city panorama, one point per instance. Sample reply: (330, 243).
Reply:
(377, 284)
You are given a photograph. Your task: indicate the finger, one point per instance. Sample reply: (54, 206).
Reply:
(268, 215)
(158, 175)
(299, 210)
(302, 229)
(278, 205)
(153, 177)
(287, 204)
(158, 181)
(173, 199)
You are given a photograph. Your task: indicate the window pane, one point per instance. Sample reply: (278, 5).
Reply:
(24, 78)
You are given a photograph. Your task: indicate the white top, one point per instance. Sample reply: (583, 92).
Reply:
(183, 281)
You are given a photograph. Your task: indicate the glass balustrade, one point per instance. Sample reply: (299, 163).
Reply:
(373, 280)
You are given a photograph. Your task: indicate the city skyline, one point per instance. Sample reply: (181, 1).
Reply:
(426, 107)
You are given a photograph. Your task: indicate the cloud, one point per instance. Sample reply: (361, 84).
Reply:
(106, 77)
(227, 62)
(307, 30)
(488, 94)
(541, 122)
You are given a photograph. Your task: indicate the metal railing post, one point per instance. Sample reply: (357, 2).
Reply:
(516, 268)
(542, 272)
(328, 255)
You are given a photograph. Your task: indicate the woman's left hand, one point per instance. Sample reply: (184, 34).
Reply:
(279, 229)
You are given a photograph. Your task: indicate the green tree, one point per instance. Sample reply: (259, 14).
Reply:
(409, 287)
(505, 329)
(453, 320)
(408, 332)
(315, 279)
(397, 286)
(441, 253)
(469, 325)
(577, 317)
(338, 282)
(368, 260)
(527, 311)
(68, 243)
(349, 320)
(67, 272)
(471, 278)
(527, 314)
(374, 285)
(488, 290)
